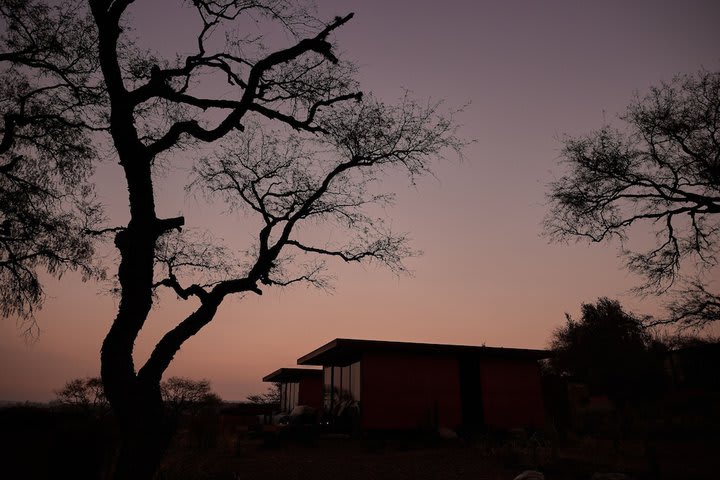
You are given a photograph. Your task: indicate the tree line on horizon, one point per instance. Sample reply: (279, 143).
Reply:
(181, 394)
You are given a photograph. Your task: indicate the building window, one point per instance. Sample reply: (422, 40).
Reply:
(327, 388)
(341, 388)
(345, 383)
(289, 396)
(355, 380)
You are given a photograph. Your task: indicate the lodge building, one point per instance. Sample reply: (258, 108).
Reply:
(381, 385)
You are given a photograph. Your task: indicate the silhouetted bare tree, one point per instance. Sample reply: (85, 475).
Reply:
(663, 171)
(270, 397)
(187, 396)
(181, 395)
(85, 393)
(324, 172)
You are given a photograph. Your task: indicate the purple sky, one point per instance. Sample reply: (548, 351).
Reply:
(532, 71)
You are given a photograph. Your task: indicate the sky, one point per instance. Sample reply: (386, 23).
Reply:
(530, 72)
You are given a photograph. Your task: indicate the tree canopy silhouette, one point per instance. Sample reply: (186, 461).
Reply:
(272, 395)
(608, 349)
(295, 143)
(49, 101)
(663, 171)
(181, 395)
(84, 393)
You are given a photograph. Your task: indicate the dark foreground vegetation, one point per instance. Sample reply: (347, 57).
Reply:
(677, 437)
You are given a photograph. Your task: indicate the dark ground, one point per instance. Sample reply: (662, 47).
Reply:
(39, 443)
(481, 459)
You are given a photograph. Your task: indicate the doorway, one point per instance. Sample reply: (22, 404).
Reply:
(471, 394)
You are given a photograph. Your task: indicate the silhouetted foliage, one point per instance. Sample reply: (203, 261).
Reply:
(664, 172)
(319, 166)
(181, 395)
(85, 393)
(187, 396)
(50, 99)
(677, 340)
(270, 397)
(609, 350)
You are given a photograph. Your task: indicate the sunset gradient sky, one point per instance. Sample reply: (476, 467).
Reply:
(532, 72)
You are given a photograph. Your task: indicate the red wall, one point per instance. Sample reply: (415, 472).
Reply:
(311, 392)
(511, 393)
(409, 391)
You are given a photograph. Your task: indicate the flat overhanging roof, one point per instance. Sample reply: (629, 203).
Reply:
(343, 351)
(285, 375)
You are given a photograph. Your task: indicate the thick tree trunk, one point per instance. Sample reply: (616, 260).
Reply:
(145, 434)
(138, 407)
(145, 430)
